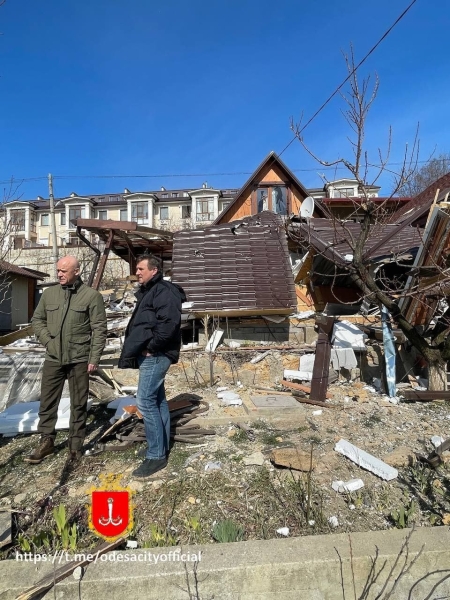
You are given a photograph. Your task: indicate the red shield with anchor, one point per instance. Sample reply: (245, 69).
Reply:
(110, 513)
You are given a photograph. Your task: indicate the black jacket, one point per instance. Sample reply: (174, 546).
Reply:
(155, 322)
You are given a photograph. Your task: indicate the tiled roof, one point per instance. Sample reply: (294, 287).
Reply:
(239, 266)
(377, 200)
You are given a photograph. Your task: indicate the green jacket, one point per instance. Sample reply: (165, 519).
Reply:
(71, 324)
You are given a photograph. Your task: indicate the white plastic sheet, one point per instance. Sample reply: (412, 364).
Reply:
(347, 335)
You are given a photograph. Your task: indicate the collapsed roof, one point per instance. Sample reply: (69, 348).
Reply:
(236, 268)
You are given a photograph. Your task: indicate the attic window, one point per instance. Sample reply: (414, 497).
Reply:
(272, 198)
(344, 193)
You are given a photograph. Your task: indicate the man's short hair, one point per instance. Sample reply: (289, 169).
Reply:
(152, 261)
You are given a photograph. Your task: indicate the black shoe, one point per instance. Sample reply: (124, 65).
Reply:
(45, 448)
(142, 453)
(149, 467)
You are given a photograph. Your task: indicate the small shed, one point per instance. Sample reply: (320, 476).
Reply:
(17, 295)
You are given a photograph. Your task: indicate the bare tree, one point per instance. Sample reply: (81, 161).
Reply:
(373, 286)
(431, 171)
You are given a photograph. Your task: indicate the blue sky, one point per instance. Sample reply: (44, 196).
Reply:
(175, 87)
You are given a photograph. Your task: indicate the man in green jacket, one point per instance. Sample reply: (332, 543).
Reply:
(70, 321)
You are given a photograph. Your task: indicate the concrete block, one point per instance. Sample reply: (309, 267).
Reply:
(274, 401)
(310, 335)
(366, 460)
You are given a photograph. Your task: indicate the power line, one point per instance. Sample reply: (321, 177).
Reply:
(19, 180)
(350, 75)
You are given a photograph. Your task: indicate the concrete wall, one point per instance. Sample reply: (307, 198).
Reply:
(321, 567)
(41, 260)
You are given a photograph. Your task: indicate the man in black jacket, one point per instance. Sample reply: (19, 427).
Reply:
(152, 344)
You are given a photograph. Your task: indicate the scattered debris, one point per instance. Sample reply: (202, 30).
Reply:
(348, 335)
(366, 460)
(260, 357)
(333, 521)
(214, 340)
(293, 458)
(352, 485)
(213, 466)
(283, 531)
(257, 458)
(437, 440)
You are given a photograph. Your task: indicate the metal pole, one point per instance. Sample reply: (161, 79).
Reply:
(53, 222)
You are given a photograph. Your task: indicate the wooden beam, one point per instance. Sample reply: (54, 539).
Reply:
(108, 224)
(321, 368)
(425, 396)
(102, 264)
(299, 387)
(9, 338)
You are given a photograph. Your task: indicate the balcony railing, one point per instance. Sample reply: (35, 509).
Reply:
(140, 220)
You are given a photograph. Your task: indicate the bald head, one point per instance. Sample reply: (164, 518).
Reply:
(68, 270)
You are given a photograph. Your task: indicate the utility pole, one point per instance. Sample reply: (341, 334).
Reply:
(53, 222)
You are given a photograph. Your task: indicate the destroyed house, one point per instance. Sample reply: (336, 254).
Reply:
(237, 268)
(325, 251)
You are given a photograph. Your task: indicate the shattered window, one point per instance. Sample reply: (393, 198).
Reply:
(263, 199)
(272, 198)
(279, 204)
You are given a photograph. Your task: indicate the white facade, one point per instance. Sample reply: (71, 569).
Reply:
(171, 210)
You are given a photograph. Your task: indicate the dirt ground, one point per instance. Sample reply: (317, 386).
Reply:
(230, 476)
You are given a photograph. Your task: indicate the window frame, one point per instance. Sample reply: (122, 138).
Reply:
(210, 211)
(165, 208)
(78, 208)
(47, 215)
(269, 187)
(186, 208)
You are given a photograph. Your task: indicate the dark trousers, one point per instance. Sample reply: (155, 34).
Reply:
(53, 378)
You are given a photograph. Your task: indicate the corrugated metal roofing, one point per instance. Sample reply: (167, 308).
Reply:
(335, 239)
(422, 202)
(238, 266)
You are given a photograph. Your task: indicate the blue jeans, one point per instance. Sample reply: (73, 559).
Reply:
(151, 401)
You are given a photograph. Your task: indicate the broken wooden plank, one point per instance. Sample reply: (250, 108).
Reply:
(304, 400)
(272, 390)
(9, 338)
(300, 387)
(47, 582)
(425, 395)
